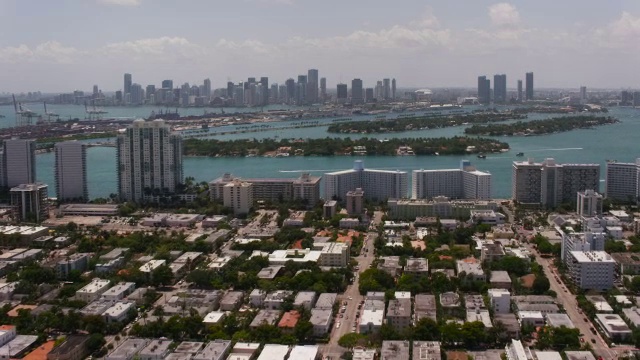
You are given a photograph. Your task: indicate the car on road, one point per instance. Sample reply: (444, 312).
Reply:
(593, 341)
(585, 319)
(341, 316)
(350, 298)
(581, 339)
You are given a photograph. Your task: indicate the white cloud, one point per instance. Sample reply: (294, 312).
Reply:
(428, 20)
(159, 49)
(121, 2)
(396, 37)
(622, 33)
(47, 52)
(504, 14)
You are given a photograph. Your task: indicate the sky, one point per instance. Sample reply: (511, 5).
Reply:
(63, 45)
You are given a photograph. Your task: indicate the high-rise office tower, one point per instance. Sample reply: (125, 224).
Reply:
(264, 91)
(312, 86)
(529, 86)
(393, 88)
(342, 93)
(520, 90)
(151, 90)
(301, 96)
(484, 90)
(500, 88)
(127, 83)
(379, 91)
(291, 90)
(238, 95)
(167, 84)
(95, 91)
(636, 98)
(623, 181)
(368, 95)
(18, 162)
(323, 89)
(206, 89)
(137, 94)
(583, 94)
(230, 89)
(71, 171)
(149, 161)
(357, 92)
(273, 94)
(386, 89)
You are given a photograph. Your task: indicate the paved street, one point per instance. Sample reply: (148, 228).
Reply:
(568, 301)
(348, 321)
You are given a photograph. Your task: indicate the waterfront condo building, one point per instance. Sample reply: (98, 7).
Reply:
(463, 183)
(306, 188)
(18, 162)
(549, 184)
(30, 202)
(71, 171)
(377, 184)
(622, 183)
(149, 161)
(238, 195)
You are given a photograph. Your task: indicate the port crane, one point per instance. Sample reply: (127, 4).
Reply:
(94, 112)
(24, 116)
(49, 114)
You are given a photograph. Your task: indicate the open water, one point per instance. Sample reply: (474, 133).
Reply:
(618, 141)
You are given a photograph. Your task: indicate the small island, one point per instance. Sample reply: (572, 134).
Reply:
(459, 145)
(541, 127)
(421, 122)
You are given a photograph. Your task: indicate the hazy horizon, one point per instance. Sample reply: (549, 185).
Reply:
(54, 46)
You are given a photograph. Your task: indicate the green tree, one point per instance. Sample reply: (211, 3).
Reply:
(95, 342)
(350, 340)
(427, 330)
(563, 338)
(635, 284)
(162, 275)
(540, 285)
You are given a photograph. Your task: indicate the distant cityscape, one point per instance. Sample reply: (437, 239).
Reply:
(310, 89)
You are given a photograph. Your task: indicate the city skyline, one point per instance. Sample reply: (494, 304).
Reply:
(556, 41)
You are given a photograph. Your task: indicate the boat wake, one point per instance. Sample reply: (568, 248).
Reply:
(333, 170)
(561, 149)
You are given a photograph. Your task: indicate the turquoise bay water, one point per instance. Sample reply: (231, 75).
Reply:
(618, 141)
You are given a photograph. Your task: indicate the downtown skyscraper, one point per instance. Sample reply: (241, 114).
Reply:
(312, 86)
(529, 86)
(484, 90)
(357, 92)
(149, 161)
(500, 88)
(127, 84)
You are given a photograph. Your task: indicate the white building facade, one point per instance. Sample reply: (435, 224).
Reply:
(149, 159)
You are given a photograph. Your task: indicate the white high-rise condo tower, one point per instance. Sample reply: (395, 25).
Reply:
(149, 161)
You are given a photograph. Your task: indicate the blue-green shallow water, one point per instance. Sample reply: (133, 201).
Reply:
(618, 141)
